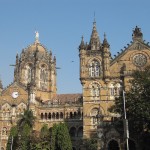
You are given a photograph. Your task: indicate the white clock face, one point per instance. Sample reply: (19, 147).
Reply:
(15, 94)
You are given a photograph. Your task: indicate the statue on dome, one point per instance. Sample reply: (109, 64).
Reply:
(37, 36)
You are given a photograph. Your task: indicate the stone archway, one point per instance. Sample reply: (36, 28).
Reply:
(113, 145)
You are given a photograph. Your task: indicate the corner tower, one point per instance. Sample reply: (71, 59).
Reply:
(36, 64)
(94, 74)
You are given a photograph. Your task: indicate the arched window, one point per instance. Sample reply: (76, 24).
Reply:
(118, 89)
(72, 132)
(93, 115)
(73, 148)
(61, 115)
(95, 90)
(49, 116)
(112, 90)
(28, 73)
(42, 116)
(71, 115)
(46, 116)
(80, 132)
(57, 115)
(94, 69)
(43, 77)
(113, 145)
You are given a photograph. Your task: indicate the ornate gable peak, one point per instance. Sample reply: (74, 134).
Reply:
(135, 45)
(138, 45)
(137, 34)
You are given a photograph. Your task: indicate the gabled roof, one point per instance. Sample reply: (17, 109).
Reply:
(14, 84)
(135, 45)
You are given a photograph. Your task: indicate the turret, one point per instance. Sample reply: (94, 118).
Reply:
(82, 56)
(106, 58)
(82, 46)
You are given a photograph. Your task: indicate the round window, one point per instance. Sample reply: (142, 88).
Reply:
(139, 60)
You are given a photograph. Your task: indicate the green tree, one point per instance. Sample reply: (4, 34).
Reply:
(25, 128)
(26, 118)
(24, 141)
(90, 144)
(44, 138)
(60, 139)
(12, 139)
(137, 103)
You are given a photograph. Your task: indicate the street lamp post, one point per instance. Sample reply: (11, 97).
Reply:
(125, 122)
(100, 130)
(11, 143)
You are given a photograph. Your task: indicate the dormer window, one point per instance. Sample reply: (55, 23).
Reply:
(94, 69)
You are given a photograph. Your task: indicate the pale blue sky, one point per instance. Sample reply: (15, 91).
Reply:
(61, 23)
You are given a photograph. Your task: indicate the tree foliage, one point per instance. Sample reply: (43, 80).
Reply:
(90, 144)
(137, 103)
(25, 138)
(60, 137)
(13, 137)
(26, 118)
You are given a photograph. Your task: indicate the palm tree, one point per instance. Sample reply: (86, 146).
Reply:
(26, 118)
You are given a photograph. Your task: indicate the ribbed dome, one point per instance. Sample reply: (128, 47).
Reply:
(36, 46)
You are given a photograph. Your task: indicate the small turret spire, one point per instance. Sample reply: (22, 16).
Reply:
(105, 42)
(82, 43)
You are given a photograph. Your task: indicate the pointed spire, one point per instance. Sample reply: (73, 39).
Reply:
(94, 41)
(82, 46)
(105, 43)
(17, 59)
(54, 59)
(50, 55)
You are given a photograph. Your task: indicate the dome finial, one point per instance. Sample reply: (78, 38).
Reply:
(36, 37)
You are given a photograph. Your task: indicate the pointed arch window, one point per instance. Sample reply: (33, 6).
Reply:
(93, 115)
(118, 89)
(43, 77)
(112, 90)
(94, 69)
(95, 90)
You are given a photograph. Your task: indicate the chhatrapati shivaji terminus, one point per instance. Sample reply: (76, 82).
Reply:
(102, 78)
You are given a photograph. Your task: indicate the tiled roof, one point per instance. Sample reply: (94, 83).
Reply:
(66, 99)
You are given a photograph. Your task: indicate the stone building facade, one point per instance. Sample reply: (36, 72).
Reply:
(102, 78)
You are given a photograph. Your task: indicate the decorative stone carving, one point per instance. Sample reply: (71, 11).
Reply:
(139, 60)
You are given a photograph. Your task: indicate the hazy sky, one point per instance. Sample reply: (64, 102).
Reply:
(61, 23)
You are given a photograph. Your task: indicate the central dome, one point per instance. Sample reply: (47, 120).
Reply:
(36, 46)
